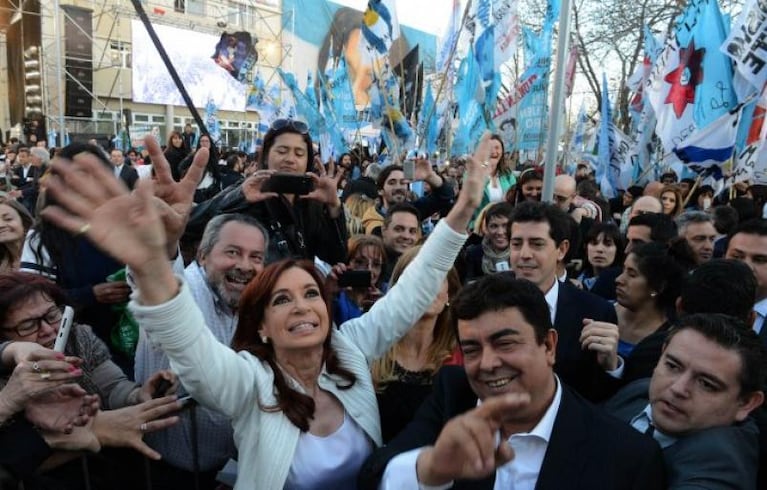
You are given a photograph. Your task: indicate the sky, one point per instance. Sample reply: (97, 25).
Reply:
(429, 15)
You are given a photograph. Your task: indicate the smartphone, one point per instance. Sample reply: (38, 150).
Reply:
(355, 279)
(285, 183)
(706, 203)
(64, 328)
(408, 168)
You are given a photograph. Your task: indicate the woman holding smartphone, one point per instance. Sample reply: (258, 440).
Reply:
(31, 311)
(304, 214)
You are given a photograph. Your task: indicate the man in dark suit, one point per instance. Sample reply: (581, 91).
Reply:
(539, 238)
(26, 179)
(697, 404)
(748, 243)
(508, 391)
(124, 172)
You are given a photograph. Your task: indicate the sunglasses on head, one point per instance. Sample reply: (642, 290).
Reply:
(298, 126)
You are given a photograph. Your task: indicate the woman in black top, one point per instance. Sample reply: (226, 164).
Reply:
(299, 226)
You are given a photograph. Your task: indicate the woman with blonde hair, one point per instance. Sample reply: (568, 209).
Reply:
(403, 376)
(671, 198)
(355, 207)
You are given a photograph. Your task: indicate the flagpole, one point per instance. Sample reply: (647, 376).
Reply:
(692, 191)
(555, 116)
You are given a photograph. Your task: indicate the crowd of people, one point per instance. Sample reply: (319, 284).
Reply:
(274, 321)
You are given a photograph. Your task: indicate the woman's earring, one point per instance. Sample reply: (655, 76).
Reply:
(653, 294)
(264, 339)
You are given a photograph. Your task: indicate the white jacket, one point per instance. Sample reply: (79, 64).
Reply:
(238, 383)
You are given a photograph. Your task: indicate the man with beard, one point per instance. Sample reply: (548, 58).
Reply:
(231, 253)
(393, 189)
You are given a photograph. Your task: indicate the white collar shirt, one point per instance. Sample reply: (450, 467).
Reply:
(552, 296)
(760, 308)
(521, 473)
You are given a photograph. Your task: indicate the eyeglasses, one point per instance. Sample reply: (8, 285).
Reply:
(298, 126)
(32, 325)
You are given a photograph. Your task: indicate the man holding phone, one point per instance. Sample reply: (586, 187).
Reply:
(393, 188)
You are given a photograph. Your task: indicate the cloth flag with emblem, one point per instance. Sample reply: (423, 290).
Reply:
(691, 83)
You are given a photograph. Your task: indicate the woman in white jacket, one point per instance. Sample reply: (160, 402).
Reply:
(299, 393)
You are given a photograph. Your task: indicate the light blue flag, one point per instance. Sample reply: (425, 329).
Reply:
(470, 112)
(380, 26)
(533, 108)
(428, 130)
(606, 175)
(311, 95)
(579, 133)
(211, 121)
(341, 96)
(715, 96)
(304, 107)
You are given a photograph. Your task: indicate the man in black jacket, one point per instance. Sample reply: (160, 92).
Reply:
(507, 397)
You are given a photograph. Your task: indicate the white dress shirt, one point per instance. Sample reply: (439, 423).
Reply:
(521, 473)
(760, 308)
(118, 169)
(552, 296)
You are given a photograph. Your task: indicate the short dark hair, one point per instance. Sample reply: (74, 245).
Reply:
(756, 226)
(733, 334)
(611, 231)
(725, 219)
(662, 226)
(499, 209)
(401, 207)
(725, 286)
(271, 136)
(496, 292)
(543, 212)
(745, 208)
(665, 268)
(384, 175)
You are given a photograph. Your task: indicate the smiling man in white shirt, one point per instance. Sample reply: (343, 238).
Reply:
(507, 391)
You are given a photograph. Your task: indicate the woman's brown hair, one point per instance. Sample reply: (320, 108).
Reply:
(10, 254)
(679, 206)
(443, 338)
(18, 287)
(297, 407)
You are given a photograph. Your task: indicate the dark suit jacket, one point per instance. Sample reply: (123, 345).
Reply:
(578, 368)
(129, 175)
(588, 449)
(28, 186)
(721, 458)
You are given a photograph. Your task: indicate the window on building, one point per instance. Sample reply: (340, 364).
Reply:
(120, 53)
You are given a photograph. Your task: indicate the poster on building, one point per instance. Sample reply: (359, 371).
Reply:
(322, 33)
(202, 77)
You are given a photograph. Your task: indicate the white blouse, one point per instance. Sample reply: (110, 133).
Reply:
(332, 461)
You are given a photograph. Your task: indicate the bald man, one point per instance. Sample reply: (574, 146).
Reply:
(642, 205)
(654, 189)
(565, 199)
